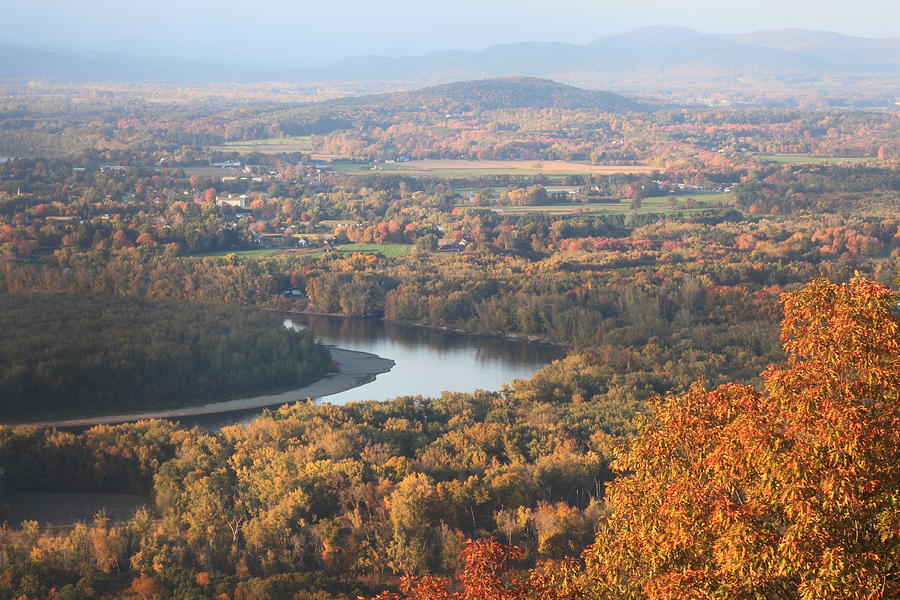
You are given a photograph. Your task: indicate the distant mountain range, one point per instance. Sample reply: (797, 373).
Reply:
(22, 62)
(668, 51)
(665, 53)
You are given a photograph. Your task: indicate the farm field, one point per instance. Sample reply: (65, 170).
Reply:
(470, 168)
(798, 159)
(386, 250)
(268, 145)
(211, 172)
(258, 253)
(653, 204)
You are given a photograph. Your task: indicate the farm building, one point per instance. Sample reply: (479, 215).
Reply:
(451, 245)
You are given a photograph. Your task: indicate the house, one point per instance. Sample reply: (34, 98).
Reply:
(294, 292)
(451, 245)
(242, 201)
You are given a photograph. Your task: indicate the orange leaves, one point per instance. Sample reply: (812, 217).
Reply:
(791, 493)
(145, 586)
(486, 576)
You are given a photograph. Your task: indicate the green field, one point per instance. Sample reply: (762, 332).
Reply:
(386, 250)
(454, 169)
(653, 204)
(211, 172)
(800, 159)
(260, 253)
(268, 145)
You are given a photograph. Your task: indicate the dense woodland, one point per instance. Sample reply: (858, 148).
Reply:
(93, 353)
(662, 457)
(720, 490)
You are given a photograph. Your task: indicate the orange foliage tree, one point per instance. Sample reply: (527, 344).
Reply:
(486, 576)
(787, 493)
(790, 492)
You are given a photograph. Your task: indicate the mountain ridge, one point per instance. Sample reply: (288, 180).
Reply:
(668, 52)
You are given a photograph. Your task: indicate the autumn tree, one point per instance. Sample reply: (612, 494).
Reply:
(786, 493)
(789, 492)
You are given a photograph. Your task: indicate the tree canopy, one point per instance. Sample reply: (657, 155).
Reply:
(788, 492)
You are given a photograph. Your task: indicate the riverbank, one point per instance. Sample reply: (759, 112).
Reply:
(354, 369)
(514, 337)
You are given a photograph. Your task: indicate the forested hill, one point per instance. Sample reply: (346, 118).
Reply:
(497, 93)
(62, 354)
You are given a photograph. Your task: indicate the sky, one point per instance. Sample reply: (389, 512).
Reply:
(304, 33)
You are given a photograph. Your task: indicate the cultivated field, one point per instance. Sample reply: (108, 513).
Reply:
(386, 250)
(798, 159)
(474, 168)
(268, 145)
(211, 172)
(258, 253)
(654, 204)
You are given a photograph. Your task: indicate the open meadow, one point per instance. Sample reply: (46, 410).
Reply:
(653, 204)
(809, 159)
(474, 168)
(268, 145)
(385, 250)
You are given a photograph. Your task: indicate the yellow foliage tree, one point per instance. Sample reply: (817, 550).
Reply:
(788, 493)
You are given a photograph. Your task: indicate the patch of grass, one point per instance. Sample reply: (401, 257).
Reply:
(387, 250)
(304, 140)
(653, 204)
(810, 159)
(259, 253)
(211, 172)
(474, 168)
(268, 145)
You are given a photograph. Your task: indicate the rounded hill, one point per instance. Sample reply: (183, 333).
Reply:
(498, 93)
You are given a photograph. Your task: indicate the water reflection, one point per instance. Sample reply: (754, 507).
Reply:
(429, 361)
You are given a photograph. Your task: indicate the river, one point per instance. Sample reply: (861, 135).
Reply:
(427, 361)
(376, 361)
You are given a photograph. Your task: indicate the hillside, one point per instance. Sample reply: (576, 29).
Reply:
(492, 94)
(23, 62)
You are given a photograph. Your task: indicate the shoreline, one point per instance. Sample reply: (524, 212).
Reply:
(538, 341)
(355, 369)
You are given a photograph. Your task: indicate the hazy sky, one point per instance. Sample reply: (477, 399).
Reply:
(282, 33)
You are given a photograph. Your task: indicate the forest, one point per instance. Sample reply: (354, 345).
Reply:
(723, 423)
(715, 489)
(66, 354)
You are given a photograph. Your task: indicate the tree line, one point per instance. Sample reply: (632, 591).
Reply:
(68, 354)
